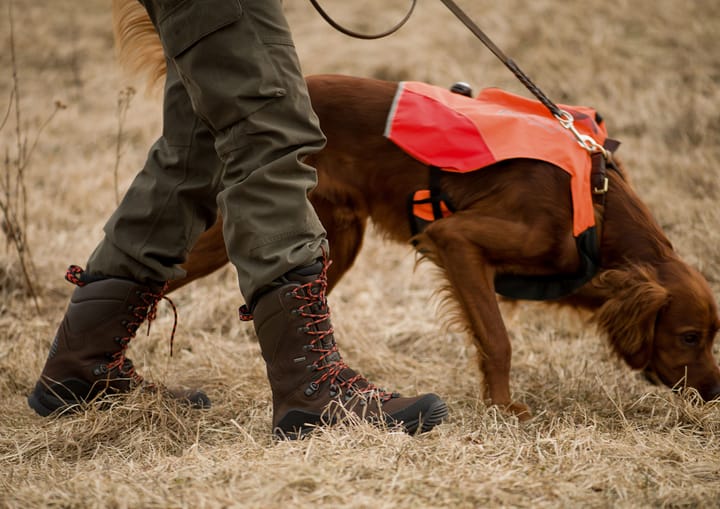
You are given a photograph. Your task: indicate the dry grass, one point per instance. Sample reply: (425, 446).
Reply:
(601, 437)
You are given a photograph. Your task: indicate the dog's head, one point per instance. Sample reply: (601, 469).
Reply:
(664, 321)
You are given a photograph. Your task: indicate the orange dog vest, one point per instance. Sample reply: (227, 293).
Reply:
(460, 134)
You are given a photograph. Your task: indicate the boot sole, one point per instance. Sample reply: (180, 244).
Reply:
(298, 424)
(45, 402)
(434, 415)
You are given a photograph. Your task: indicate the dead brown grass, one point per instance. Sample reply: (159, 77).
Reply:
(601, 436)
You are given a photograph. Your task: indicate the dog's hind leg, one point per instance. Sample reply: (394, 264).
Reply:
(207, 255)
(345, 229)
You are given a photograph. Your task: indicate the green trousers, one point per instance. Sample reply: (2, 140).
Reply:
(237, 125)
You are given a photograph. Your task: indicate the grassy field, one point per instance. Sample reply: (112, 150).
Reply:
(601, 436)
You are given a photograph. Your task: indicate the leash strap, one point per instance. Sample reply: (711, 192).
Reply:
(357, 35)
(565, 118)
(553, 287)
(509, 63)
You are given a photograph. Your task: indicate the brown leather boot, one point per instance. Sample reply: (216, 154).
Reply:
(310, 382)
(87, 358)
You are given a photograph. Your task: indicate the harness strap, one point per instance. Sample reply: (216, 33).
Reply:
(428, 205)
(598, 176)
(598, 171)
(519, 286)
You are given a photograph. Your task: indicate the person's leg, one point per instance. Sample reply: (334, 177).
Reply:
(245, 81)
(170, 202)
(238, 66)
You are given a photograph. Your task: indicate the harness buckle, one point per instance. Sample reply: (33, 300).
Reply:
(603, 189)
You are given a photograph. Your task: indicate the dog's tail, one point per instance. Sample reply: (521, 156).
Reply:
(138, 46)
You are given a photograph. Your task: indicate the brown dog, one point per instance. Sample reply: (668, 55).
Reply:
(514, 217)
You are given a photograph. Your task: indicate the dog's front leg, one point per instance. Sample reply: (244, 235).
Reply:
(471, 280)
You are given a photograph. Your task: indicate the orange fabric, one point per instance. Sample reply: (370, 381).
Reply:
(458, 133)
(424, 210)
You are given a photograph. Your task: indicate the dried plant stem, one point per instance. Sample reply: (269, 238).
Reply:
(7, 112)
(14, 190)
(123, 105)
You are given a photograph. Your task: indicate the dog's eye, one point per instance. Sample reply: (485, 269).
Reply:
(691, 338)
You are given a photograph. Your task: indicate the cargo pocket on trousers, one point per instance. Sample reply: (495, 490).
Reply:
(190, 21)
(227, 70)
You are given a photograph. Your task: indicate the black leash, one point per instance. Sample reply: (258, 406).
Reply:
(469, 23)
(359, 35)
(566, 119)
(509, 63)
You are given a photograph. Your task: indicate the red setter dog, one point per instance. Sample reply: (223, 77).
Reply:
(514, 217)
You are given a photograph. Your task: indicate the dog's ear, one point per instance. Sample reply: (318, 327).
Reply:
(634, 298)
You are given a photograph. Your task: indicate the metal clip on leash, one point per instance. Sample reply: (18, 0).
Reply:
(585, 141)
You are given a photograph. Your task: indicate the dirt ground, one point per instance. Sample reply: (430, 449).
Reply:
(601, 436)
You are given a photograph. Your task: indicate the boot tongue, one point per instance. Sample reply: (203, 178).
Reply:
(306, 274)
(335, 356)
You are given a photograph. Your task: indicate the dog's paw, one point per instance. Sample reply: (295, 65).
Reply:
(519, 410)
